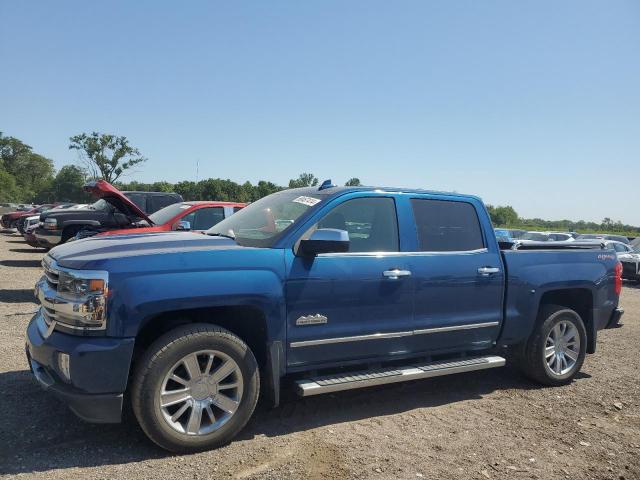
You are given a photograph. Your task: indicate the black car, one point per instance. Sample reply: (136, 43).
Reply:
(114, 209)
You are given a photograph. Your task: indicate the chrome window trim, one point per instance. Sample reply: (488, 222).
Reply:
(403, 254)
(379, 336)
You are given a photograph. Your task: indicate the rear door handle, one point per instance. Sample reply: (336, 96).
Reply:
(396, 273)
(486, 271)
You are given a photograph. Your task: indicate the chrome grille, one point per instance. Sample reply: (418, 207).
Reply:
(48, 264)
(48, 314)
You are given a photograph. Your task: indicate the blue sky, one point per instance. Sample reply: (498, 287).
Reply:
(533, 104)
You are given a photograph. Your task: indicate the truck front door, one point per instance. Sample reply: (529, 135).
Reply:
(343, 306)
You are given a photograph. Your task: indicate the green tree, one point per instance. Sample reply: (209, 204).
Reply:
(32, 173)
(68, 183)
(353, 182)
(106, 156)
(8, 188)
(303, 180)
(503, 216)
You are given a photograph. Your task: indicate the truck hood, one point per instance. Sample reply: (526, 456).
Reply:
(102, 189)
(88, 253)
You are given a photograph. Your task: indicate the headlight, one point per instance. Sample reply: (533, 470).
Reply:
(75, 299)
(69, 283)
(50, 224)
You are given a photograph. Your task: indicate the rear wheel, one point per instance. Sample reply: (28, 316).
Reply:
(195, 388)
(556, 350)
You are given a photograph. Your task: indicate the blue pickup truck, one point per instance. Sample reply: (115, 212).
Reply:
(328, 288)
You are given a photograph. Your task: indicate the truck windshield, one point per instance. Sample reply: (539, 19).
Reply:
(261, 223)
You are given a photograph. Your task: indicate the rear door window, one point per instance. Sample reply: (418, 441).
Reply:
(446, 226)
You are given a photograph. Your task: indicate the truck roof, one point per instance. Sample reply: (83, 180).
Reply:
(338, 190)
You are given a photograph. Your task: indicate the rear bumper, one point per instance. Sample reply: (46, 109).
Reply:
(99, 369)
(614, 320)
(47, 238)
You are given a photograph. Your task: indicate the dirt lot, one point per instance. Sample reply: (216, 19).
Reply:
(491, 424)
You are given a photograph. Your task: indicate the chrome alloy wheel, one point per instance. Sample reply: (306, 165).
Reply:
(201, 392)
(562, 348)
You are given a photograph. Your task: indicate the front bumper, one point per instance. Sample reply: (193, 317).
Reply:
(31, 239)
(48, 238)
(7, 222)
(99, 369)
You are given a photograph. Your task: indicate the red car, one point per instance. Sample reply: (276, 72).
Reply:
(196, 216)
(11, 219)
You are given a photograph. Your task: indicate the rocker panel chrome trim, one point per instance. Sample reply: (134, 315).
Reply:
(379, 336)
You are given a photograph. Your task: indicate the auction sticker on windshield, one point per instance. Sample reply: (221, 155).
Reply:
(309, 201)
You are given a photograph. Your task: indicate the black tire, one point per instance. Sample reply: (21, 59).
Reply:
(161, 356)
(68, 233)
(532, 359)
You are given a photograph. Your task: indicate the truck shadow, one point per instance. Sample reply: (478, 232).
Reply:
(27, 250)
(23, 295)
(21, 263)
(38, 433)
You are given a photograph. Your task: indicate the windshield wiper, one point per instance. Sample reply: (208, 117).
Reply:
(231, 237)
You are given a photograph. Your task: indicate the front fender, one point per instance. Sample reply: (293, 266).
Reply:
(139, 298)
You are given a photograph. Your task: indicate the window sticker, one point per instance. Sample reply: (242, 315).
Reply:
(309, 201)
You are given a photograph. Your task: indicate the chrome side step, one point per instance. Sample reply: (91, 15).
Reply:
(369, 378)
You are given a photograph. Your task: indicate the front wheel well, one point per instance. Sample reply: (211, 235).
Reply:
(248, 323)
(578, 299)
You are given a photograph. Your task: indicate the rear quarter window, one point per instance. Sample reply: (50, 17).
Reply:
(446, 226)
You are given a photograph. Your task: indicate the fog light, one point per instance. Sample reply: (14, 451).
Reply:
(63, 366)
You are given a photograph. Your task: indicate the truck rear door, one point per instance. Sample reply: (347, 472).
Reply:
(458, 274)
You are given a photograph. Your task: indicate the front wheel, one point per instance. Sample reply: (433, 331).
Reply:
(195, 388)
(556, 350)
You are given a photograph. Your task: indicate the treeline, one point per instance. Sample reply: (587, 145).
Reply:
(507, 217)
(28, 177)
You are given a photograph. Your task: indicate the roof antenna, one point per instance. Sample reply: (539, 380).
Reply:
(326, 184)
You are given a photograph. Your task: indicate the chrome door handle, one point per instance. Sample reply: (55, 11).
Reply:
(486, 271)
(395, 273)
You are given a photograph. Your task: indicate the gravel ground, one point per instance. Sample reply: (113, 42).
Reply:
(490, 424)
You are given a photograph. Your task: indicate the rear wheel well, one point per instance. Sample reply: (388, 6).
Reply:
(248, 323)
(578, 299)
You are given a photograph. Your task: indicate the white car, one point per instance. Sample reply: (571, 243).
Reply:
(31, 222)
(547, 237)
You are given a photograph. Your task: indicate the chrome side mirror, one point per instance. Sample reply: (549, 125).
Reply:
(183, 225)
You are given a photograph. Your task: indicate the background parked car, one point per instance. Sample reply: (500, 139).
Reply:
(561, 237)
(536, 237)
(10, 220)
(195, 216)
(595, 236)
(629, 257)
(113, 210)
(20, 224)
